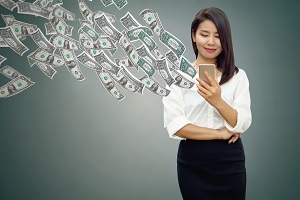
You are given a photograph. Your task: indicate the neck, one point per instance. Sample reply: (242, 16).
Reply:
(205, 61)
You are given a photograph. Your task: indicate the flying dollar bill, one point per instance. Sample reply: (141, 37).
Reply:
(12, 40)
(120, 3)
(90, 33)
(133, 34)
(60, 26)
(2, 59)
(129, 22)
(49, 28)
(85, 59)
(10, 72)
(129, 49)
(15, 86)
(173, 43)
(145, 53)
(102, 43)
(22, 29)
(85, 11)
(163, 69)
(39, 38)
(124, 81)
(112, 18)
(107, 2)
(152, 20)
(48, 70)
(106, 26)
(186, 67)
(32, 9)
(106, 63)
(149, 43)
(8, 18)
(133, 80)
(65, 42)
(63, 13)
(180, 80)
(146, 67)
(109, 85)
(170, 55)
(8, 4)
(41, 55)
(72, 64)
(153, 86)
(125, 62)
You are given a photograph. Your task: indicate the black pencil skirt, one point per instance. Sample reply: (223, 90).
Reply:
(211, 170)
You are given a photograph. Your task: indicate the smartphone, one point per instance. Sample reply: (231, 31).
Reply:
(210, 69)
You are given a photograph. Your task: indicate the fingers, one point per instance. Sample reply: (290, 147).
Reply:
(210, 79)
(234, 138)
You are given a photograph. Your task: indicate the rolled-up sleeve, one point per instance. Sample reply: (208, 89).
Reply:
(174, 113)
(241, 104)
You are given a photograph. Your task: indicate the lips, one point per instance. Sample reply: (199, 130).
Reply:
(210, 50)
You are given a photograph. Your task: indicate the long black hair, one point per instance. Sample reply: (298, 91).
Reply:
(225, 61)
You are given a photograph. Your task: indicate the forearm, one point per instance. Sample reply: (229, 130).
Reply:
(193, 132)
(227, 112)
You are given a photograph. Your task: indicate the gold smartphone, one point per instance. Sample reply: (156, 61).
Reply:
(210, 69)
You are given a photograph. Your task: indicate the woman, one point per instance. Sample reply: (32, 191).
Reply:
(209, 118)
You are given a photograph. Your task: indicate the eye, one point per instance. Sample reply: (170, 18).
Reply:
(203, 35)
(217, 36)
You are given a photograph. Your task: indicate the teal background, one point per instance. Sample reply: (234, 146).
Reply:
(65, 139)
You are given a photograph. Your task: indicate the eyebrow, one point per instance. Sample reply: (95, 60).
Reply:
(207, 31)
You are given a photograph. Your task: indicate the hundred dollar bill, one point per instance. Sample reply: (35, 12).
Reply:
(107, 2)
(124, 81)
(107, 27)
(109, 85)
(120, 3)
(48, 70)
(63, 13)
(146, 67)
(10, 72)
(15, 86)
(103, 60)
(65, 42)
(85, 11)
(12, 40)
(71, 63)
(39, 38)
(133, 34)
(8, 18)
(170, 55)
(125, 62)
(22, 29)
(186, 67)
(180, 80)
(49, 28)
(129, 22)
(60, 26)
(85, 59)
(134, 80)
(129, 49)
(32, 9)
(145, 53)
(149, 43)
(8, 4)
(41, 55)
(92, 34)
(152, 20)
(2, 59)
(172, 43)
(110, 17)
(163, 69)
(152, 85)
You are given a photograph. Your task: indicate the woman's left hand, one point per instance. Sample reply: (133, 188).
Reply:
(211, 93)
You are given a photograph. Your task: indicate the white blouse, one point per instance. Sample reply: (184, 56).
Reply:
(186, 106)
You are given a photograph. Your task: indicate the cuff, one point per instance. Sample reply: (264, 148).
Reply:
(176, 125)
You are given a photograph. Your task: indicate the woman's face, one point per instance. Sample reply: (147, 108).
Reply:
(207, 41)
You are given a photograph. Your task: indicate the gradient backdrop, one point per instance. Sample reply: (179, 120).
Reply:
(64, 139)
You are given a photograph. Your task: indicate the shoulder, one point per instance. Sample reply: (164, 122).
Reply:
(241, 74)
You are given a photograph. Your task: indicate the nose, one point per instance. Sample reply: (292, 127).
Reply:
(211, 40)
